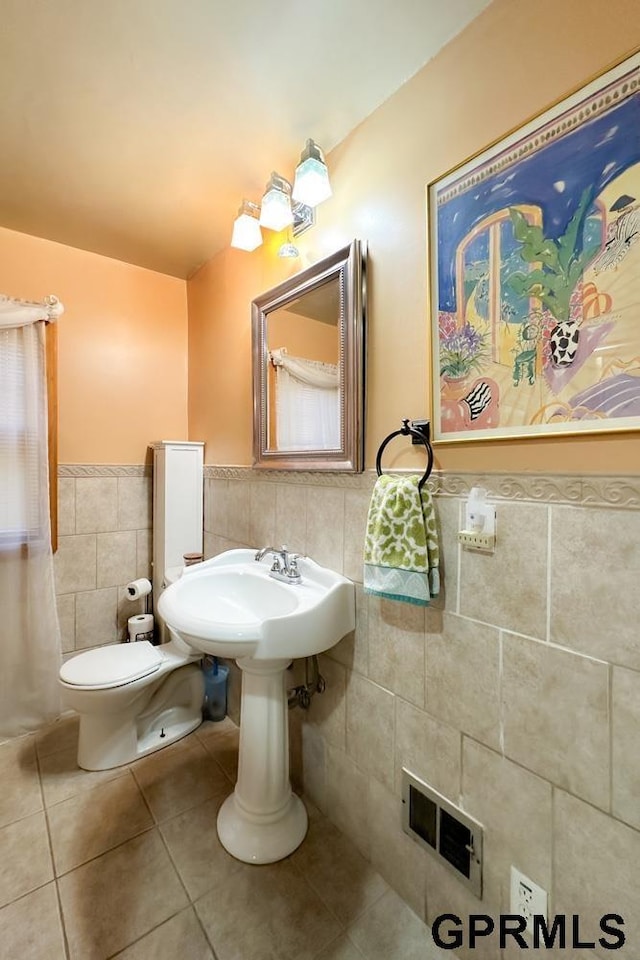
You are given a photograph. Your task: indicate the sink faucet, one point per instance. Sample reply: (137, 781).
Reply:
(285, 564)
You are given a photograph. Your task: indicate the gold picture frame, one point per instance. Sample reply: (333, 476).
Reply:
(534, 265)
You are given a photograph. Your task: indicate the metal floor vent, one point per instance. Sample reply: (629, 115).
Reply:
(446, 831)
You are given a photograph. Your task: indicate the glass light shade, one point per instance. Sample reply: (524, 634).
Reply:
(311, 185)
(276, 212)
(246, 229)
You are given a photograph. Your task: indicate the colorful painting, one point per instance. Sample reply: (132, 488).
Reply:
(535, 274)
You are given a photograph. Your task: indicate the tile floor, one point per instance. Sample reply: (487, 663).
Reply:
(126, 863)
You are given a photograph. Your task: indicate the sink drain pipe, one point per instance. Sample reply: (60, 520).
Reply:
(301, 695)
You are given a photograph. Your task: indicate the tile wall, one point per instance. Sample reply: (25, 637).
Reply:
(104, 541)
(516, 694)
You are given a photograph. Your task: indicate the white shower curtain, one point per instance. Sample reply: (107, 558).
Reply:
(307, 403)
(30, 648)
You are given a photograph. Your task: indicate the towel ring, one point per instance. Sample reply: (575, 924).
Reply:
(418, 436)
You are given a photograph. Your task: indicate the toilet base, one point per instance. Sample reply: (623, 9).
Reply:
(174, 710)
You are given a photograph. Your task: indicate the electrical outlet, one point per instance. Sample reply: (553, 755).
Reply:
(527, 898)
(477, 541)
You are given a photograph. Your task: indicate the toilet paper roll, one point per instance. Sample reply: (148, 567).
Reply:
(138, 588)
(140, 627)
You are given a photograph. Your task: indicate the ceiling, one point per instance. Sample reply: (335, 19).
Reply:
(134, 128)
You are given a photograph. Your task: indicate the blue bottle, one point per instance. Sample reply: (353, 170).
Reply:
(215, 689)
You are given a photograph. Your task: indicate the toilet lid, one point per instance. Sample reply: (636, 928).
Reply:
(113, 665)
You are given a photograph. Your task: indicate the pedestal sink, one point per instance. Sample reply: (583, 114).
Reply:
(230, 606)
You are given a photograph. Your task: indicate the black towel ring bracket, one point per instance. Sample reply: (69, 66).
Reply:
(420, 432)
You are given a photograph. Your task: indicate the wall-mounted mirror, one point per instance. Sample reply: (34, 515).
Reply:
(308, 367)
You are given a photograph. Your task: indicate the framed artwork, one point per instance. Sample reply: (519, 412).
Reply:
(534, 270)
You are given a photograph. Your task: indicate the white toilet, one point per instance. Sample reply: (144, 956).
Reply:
(134, 698)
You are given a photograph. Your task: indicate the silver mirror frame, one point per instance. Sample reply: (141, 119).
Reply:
(349, 266)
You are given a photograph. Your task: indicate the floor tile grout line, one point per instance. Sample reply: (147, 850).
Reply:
(61, 917)
(192, 902)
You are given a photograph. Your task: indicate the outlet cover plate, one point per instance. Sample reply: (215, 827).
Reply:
(477, 541)
(527, 898)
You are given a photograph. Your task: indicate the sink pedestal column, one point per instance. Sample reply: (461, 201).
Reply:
(263, 820)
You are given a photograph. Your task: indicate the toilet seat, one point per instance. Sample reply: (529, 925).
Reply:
(112, 666)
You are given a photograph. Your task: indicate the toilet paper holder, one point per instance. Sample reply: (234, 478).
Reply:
(136, 590)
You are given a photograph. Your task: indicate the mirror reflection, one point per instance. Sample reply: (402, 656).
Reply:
(303, 345)
(308, 353)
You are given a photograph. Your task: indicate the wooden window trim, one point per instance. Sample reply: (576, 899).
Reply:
(51, 355)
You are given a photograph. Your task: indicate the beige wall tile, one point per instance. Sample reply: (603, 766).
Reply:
(143, 553)
(262, 529)
(347, 798)
(325, 526)
(314, 771)
(116, 558)
(66, 506)
(448, 512)
(66, 604)
(239, 511)
(20, 794)
(509, 587)
(370, 727)
(400, 860)
(353, 650)
(595, 571)
(556, 716)
(96, 617)
(75, 564)
(25, 859)
(96, 504)
(514, 807)
(397, 647)
(117, 898)
(428, 748)
(134, 503)
(30, 928)
(216, 506)
(291, 516)
(356, 509)
(626, 738)
(463, 677)
(595, 861)
(327, 711)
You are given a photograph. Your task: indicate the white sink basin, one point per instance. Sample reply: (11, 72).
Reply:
(230, 607)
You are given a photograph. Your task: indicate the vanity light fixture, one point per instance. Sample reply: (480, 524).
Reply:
(246, 227)
(276, 212)
(311, 184)
(284, 205)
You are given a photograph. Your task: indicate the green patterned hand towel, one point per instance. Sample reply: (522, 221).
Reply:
(401, 552)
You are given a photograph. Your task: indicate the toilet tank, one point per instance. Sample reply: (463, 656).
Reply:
(177, 505)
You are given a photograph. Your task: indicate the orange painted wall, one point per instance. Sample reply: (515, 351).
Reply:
(122, 347)
(510, 64)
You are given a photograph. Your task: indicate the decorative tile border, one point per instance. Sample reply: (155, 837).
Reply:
(103, 470)
(580, 490)
(592, 491)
